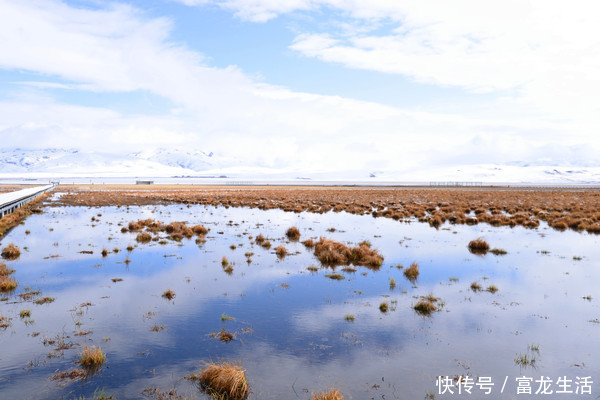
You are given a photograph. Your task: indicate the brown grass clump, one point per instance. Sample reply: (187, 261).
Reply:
(11, 252)
(224, 261)
(260, 239)
(293, 233)
(7, 284)
(104, 252)
(425, 307)
(225, 336)
(475, 286)
(384, 307)
(199, 230)
(478, 246)
(309, 243)
(331, 394)
(143, 237)
(492, 289)
(5, 271)
(76, 374)
(334, 253)
(280, 251)
(412, 273)
(224, 381)
(91, 358)
(169, 294)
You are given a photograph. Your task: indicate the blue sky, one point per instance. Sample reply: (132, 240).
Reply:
(305, 84)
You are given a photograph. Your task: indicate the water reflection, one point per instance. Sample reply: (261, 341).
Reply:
(290, 328)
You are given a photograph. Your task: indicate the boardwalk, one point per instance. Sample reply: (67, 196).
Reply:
(9, 202)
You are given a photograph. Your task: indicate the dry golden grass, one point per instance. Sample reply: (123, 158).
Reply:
(425, 307)
(332, 253)
(91, 357)
(331, 394)
(478, 246)
(561, 208)
(280, 251)
(11, 252)
(293, 233)
(412, 272)
(227, 380)
(309, 243)
(5, 271)
(7, 284)
(76, 374)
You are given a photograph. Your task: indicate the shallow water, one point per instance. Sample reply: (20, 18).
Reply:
(294, 339)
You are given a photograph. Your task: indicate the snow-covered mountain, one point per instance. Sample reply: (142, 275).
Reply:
(189, 162)
(61, 162)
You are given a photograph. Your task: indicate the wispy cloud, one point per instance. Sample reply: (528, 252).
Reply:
(119, 48)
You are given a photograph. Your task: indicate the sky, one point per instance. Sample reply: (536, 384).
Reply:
(320, 85)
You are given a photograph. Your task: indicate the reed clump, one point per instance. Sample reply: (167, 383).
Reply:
(280, 251)
(412, 272)
(478, 246)
(293, 233)
(11, 252)
(331, 394)
(5, 271)
(223, 381)
(169, 294)
(91, 357)
(7, 284)
(332, 253)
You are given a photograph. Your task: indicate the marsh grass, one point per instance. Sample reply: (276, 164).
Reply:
(332, 253)
(331, 394)
(498, 252)
(91, 358)
(336, 277)
(169, 294)
(492, 289)
(225, 381)
(5, 271)
(412, 272)
(225, 336)
(7, 284)
(293, 234)
(309, 243)
(25, 313)
(478, 246)
(280, 251)
(392, 283)
(11, 252)
(475, 286)
(384, 307)
(425, 307)
(349, 317)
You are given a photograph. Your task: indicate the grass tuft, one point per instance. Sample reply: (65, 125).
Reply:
(412, 272)
(11, 252)
(478, 246)
(223, 381)
(169, 294)
(331, 394)
(293, 234)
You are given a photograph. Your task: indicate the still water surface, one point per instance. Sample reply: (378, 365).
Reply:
(291, 332)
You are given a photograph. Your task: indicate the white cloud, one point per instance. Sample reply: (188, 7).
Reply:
(545, 51)
(120, 49)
